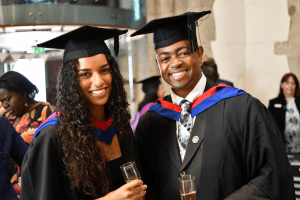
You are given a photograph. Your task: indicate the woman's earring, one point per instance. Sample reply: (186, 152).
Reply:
(26, 104)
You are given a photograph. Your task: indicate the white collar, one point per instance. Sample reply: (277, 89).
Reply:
(194, 94)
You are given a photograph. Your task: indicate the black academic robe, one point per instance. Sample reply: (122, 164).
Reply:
(239, 146)
(43, 176)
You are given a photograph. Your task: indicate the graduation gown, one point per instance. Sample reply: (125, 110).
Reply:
(239, 144)
(43, 176)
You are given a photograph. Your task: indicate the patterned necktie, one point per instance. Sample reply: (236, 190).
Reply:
(184, 128)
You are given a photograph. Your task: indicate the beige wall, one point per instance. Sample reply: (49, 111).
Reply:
(246, 34)
(291, 47)
(229, 46)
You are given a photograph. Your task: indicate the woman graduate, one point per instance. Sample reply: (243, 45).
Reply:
(78, 151)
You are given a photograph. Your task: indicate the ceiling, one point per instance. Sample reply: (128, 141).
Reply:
(22, 39)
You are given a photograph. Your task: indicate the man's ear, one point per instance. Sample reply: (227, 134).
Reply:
(157, 63)
(200, 51)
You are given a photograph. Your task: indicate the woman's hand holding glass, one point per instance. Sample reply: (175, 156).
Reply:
(130, 172)
(133, 190)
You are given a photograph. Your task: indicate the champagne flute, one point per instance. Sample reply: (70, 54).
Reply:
(130, 172)
(187, 187)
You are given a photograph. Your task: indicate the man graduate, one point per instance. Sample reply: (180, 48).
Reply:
(221, 135)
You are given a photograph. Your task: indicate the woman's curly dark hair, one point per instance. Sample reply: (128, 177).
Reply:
(85, 162)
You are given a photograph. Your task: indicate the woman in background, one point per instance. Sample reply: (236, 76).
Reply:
(77, 153)
(23, 112)
(18, 105)
(153, 90)
(13, 147)
(285, 110)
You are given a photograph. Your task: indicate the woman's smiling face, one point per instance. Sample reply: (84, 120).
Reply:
(95, 79)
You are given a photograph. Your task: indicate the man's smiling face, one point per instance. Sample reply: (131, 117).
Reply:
(179, 67)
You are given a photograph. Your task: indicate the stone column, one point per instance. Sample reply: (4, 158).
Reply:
(180, 7)
(229, 46)
(265, 24)
(291, 48)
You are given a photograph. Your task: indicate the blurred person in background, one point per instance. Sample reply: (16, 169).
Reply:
(23, 112)
(153, 90)
(12, 146)
(18, 105)
(210, 70)
(77, 153)
(285, 110)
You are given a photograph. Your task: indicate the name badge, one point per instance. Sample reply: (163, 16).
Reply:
(278, 105)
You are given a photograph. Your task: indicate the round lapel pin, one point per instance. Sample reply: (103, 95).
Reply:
(195, 139)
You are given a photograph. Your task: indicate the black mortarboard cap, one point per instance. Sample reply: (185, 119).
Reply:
(84, 42)
(169, 30)
(151, 82)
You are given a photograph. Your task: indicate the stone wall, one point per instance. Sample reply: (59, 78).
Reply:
(291, 47)
(244, 49)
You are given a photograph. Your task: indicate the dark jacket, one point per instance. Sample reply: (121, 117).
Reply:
(277, 108)
(11, 146)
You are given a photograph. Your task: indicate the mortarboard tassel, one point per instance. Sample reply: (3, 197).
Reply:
(191, 25)
(116, 42)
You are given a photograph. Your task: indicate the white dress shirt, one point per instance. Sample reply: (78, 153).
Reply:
(194, 94)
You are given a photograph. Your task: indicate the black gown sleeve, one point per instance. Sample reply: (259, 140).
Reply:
(42, 172)
(248, 192)
(142, 154)
(264, 155)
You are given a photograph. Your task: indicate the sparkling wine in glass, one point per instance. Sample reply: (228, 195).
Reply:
(187, 187)
(130, 172)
